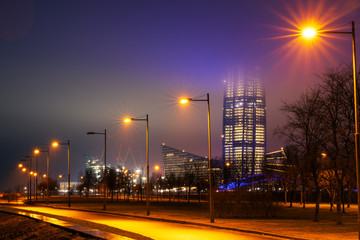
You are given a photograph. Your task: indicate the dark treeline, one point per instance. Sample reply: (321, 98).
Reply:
(319, 132)
(128, 184)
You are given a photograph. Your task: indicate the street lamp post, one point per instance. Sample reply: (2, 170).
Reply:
(157, 168)
(35, 184)
(60, 179)
(310, 33)
(211, 195)
(128, 120)
(105, 182)
(56, 144)
(36, 152)
(30, 173)
(24, 169)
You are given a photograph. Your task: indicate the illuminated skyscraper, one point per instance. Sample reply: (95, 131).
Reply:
(244, 123)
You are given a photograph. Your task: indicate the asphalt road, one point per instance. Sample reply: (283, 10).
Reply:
(148, 228)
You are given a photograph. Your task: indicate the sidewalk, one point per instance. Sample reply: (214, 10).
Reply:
(293, 222)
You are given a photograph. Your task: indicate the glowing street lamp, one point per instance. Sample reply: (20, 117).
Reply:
(37, 152)
(309, 32)
(357, 140)
(34, 174)
(184, 100)
(129, 120)
(105, 182)
(211, 197)
(157, 168)
(56, 144)
(25, 169)
(60, 179)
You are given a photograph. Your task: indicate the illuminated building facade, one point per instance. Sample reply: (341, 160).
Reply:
(95, 164)
(244, 123)
(180, 162)
(184, 164)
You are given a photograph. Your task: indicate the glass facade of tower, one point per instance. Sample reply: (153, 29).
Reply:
(244, 124)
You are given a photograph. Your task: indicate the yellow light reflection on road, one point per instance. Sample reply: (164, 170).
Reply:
(154, 229)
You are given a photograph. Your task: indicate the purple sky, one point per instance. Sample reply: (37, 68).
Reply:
(69, 67)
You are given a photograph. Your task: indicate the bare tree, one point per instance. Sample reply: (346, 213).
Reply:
(303, 130)
(111, 181)
(170, 182)
(337, 120)
(292, 170)
(189, 179)
(89, 180)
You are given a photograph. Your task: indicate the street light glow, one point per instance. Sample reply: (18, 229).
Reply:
(24, 169)
(36, 151)
(55, 144)
(127, 120)
(157, 167)
(184, 100)
(20, 165)
(309, 32)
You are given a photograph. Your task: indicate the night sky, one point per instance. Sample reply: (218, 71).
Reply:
(69, 67)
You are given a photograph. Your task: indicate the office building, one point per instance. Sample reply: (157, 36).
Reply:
(244, 123)
(180, 162)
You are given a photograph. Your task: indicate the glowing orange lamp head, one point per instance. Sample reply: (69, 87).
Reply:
(127, 120)
(55, 144)
(184, 100)
(20, 165)
(157, 167)
(24, 169)
(309, 32)
(36, 151)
